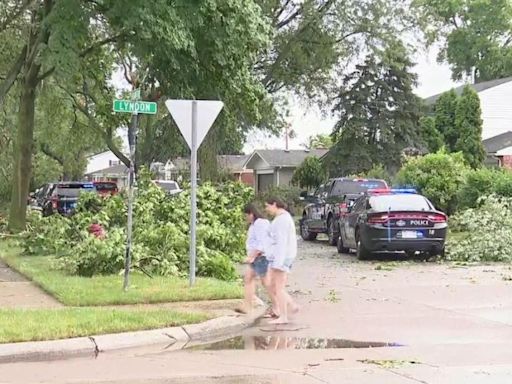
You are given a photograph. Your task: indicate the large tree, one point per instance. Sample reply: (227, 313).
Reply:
(468, 122)
(431, 136)
(476, 35)
(76, 42)
(444, 112)
(378, 114)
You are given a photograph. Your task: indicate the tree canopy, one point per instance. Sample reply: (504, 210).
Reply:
(378, 114)
(476, 35)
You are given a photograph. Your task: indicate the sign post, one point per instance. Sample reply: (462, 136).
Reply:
(134, 107)
(194, 118)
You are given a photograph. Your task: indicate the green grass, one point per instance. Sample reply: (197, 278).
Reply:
(107, 290)
(18, 325)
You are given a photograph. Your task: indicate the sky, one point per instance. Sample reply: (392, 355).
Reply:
(433, 78)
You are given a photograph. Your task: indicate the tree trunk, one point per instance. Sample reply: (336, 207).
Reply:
(23, 153)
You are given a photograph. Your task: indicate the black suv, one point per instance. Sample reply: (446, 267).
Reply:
(329, 202)
(60, 197)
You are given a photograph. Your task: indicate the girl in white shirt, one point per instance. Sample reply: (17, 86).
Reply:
(256, 245)
(281, 255)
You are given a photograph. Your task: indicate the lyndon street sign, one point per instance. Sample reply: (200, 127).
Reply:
(135, 107)
(194, 118)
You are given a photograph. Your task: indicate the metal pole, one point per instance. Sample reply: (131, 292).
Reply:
(132, 134)
(193, 196)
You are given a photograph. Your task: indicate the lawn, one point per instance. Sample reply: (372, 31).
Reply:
(107, 290)
(18, 325)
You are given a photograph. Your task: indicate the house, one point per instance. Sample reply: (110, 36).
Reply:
(275, 167)
(504, 157)
(117, 173)
(496, 147)
(235, 166)
(495, 96)
(101, 161)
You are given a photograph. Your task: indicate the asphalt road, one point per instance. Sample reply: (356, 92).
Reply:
(383, 321)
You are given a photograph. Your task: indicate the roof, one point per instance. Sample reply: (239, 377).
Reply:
(505, 152)
(495, 143)
(232, 162)
(479, 87)
(283, 158)
(181, 163)
(119, 169)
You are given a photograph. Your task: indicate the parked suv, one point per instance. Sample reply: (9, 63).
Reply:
(106, 188)
(169, 186)
(329, 202)
(61, 197)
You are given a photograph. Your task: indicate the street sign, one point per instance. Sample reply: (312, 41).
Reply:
(194, 118)
(135, 107)
(207, 112)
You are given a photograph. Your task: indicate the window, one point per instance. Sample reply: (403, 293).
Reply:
(400, 203)
(359, 205)
(354, 187)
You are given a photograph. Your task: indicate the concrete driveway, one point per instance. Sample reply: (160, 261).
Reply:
(443, 324)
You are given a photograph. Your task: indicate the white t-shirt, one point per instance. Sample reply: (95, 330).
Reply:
(283, 237)
(258, 236)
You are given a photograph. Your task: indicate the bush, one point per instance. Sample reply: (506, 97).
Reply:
(484, 182)
(310, 174)
(160, 232)
(439, 176)
(290, 195)
(486, 232)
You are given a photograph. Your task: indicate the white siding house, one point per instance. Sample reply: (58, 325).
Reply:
(101, 161)
(496, 104)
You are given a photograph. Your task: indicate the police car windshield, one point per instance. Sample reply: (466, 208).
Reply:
(400, 202)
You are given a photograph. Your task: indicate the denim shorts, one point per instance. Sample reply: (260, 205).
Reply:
(260, 265)
(282, 265)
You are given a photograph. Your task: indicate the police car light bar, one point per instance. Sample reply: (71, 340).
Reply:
(404, 190)
(392, 190)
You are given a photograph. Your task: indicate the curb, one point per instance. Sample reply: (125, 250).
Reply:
(168, 338)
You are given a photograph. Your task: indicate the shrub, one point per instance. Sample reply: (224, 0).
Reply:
(484, 182)
(290, 195)
(310, 174)
(160, 232)
(486, 232)
(438, 176)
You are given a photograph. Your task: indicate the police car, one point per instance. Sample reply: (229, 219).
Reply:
(393, 220)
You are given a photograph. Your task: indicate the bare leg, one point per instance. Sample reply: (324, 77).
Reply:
(267, 283)
(283, 299)
(249, 290)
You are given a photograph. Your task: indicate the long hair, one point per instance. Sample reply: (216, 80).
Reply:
(254, 210)
(278, 202)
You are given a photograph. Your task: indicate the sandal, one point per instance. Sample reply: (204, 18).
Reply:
(241, 310)
(270, 314)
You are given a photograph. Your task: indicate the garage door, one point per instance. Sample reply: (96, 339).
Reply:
(265, 182)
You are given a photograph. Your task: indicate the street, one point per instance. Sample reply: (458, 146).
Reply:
(411, 321)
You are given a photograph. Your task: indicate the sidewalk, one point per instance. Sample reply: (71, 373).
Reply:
(18, 292)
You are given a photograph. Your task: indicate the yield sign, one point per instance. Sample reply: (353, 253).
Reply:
(206, 113)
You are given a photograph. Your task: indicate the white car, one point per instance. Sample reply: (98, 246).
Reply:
(169, 186)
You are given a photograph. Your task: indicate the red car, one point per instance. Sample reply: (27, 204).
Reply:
(106, 188)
